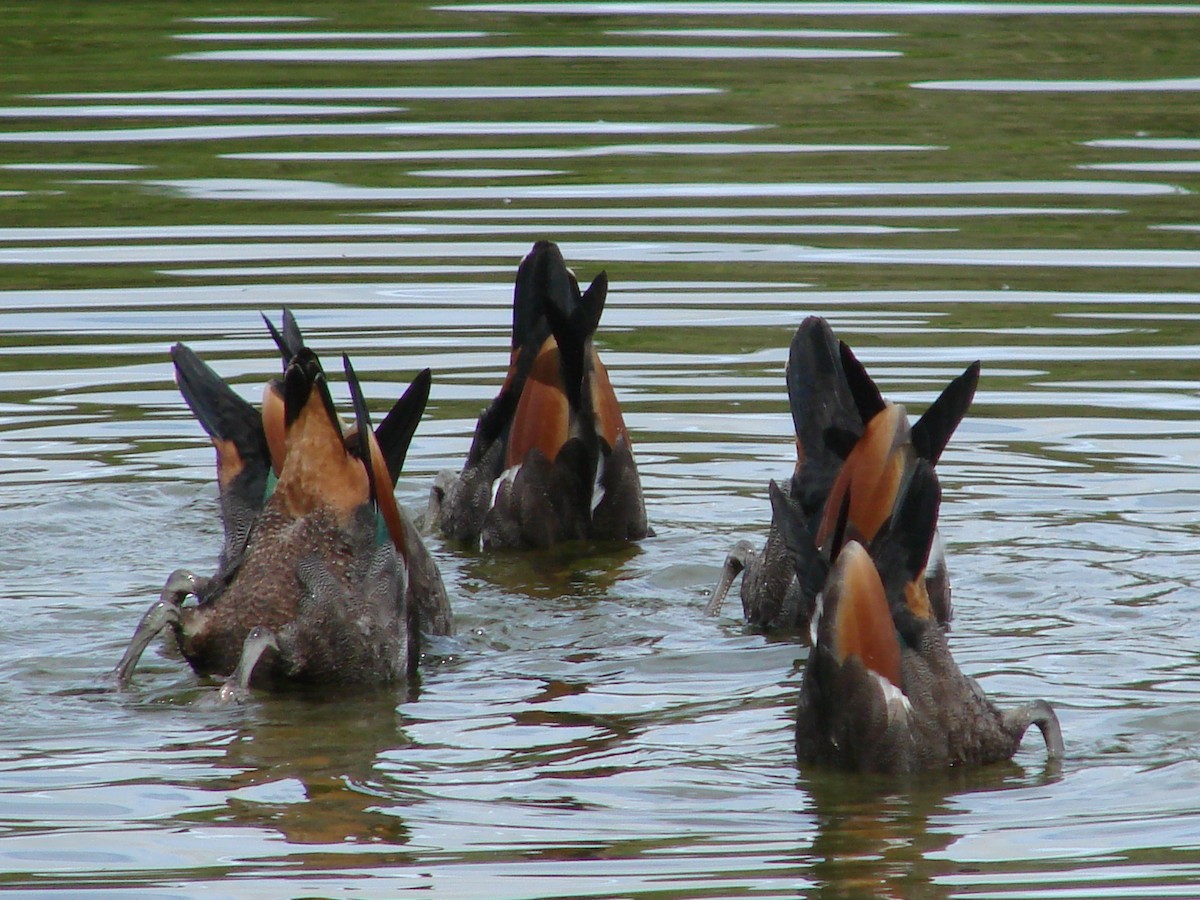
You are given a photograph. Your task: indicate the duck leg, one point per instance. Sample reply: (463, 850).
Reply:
(236, 688)
(163, 612)
(1039, 713)
(742, 555)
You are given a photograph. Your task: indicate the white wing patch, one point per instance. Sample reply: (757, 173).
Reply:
(598, 484)
(898, 706)
(507, 475)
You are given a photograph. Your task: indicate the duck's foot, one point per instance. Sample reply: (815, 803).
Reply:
(443, 483)
(236, 688)
(163, 612)
(1039, 713)
(735, 562)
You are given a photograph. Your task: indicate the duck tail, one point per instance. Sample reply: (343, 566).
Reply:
(824, 413)
(233, 424)
(902, 546)
(289, 340)
(395, 432)
(855, 618)
(934, 429)
(573, 319)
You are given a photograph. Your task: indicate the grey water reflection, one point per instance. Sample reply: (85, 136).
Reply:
(159, 111)
(292, 190)
(644, 148)
(587, 732)
(364, 129)
(459, 54)
(330, 36)
(387, 92)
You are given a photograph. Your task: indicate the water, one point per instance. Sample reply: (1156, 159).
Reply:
(1005, 182)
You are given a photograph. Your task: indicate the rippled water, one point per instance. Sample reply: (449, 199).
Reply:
(1005, 182)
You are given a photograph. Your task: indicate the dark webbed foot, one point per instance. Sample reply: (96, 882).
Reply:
(163, 612)
(236, 688)
(443, 483)
(1039, 713)
(737, 560)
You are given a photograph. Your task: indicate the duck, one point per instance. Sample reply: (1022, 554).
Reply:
(321, 578)
(850, 442)
(551, 459)
(881, 691)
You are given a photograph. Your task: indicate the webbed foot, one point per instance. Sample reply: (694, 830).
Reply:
(1041, 714)
(163, 612)
(236, 688)
(442, 484)
(735, 562)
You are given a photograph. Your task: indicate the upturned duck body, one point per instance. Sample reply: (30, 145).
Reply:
(551, 459)
(322, 579)
(850, 443)
(880, 691)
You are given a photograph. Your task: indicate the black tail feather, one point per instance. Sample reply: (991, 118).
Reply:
(228, 418)
(934, 429)
(902, 546)
(220, 411)
(395, 432)
(289, 341)
(573, 319)
(867, 397)
(542, 263)
(824, 413)
(303, 375)
(362, 418)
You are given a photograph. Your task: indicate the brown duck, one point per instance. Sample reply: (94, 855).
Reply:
(850, 441)
(321, 580)
(880, 691)
(551, 459)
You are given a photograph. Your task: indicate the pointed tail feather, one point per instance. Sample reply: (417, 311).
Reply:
(303, 375)
(396, 431)
(362, 418)
(865, 391)
(823, 411)
(934, 429)
(289, 341)
(573, 319)
(541, 272)
(902, 546)
(236, 430)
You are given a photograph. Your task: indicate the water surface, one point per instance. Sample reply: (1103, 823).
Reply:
(1006, 182)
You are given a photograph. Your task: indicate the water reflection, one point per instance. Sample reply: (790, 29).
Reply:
(72, 167)
(191, 110)
(383, 92)
(799, 8)
(248, 20)
(278, 189)
(461, 54)
(379, 129)
(733, 213)
(1067, 87)
(590, 733)
(1148, 143)
(485, 173)
(234, 36)
(1182, 166)
(308, 770)
(640, 149)
(626, 250)
(773, 33)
